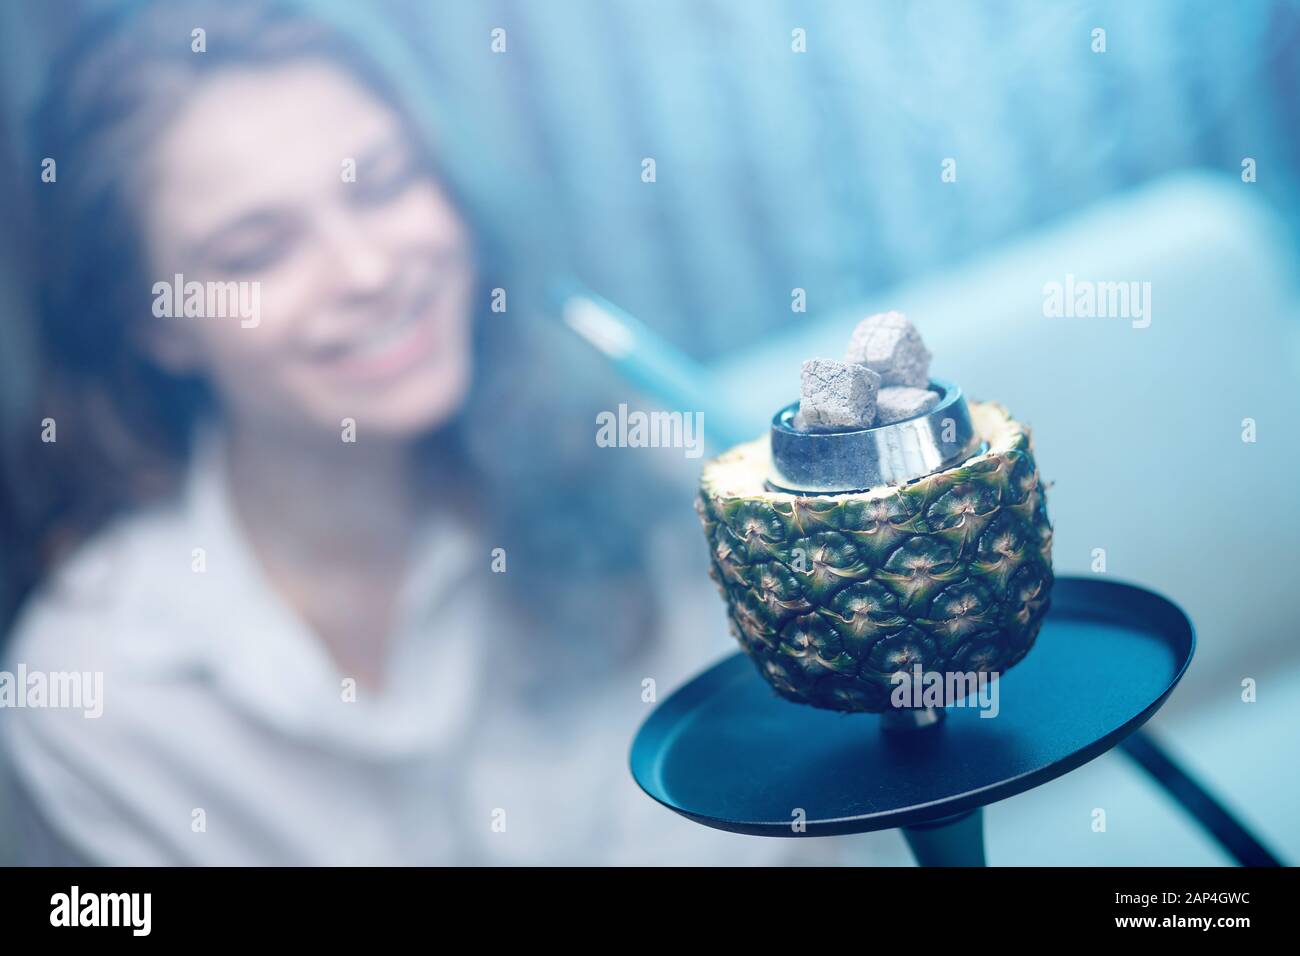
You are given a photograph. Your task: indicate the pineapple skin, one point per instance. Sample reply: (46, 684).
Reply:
(831, 595)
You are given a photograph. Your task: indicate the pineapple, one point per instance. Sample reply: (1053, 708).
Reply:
(831, 595)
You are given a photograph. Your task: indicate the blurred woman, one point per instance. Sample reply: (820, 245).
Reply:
(259, 522)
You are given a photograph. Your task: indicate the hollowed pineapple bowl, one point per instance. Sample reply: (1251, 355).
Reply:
(833, 594)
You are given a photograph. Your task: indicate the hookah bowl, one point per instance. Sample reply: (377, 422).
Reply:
(852, 562)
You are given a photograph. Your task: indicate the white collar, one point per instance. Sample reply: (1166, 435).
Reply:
(263, 658)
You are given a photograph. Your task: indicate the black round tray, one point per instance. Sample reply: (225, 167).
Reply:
(726, 751)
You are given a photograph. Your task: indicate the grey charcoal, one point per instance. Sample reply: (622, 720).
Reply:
(889, 344)
(899, 403)
(836, 396)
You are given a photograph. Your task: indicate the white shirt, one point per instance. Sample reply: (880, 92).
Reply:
(225, 736)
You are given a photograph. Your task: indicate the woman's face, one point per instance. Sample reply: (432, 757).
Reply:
(298, 179)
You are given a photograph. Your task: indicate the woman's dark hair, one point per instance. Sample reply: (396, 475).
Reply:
(124, 425)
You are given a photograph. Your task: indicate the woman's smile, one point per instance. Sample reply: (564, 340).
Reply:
(405, 339)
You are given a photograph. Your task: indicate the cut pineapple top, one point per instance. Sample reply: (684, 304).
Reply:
(742, 471)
